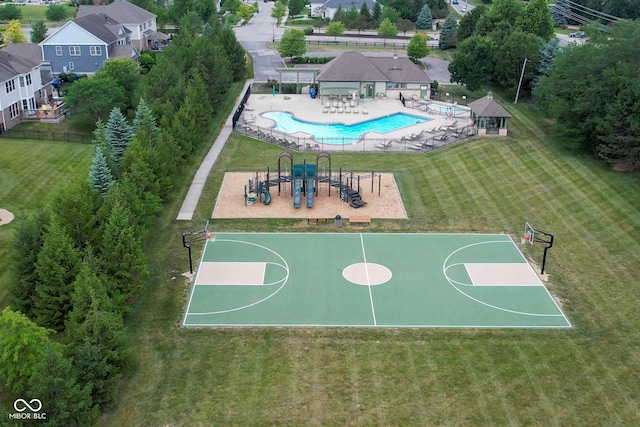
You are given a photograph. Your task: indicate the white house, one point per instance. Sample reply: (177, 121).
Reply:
(328, 8)
(24, 82)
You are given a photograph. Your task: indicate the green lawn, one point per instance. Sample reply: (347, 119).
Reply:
(36, 12)
(306, 376)
(30, 171)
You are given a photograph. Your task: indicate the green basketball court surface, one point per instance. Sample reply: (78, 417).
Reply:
(368, 280)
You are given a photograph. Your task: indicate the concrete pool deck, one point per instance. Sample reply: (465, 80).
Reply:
(305, 108)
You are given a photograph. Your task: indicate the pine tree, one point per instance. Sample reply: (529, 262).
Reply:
(559, 11)
(55, 383)
(235, 53)
(376, 12)
(425, 20)
(119, 135)
(364, 11)
(547, 60)
(144, 119)
(100, 175)
(448, 33)
(27, 243)
(121, 256)
(57, 266)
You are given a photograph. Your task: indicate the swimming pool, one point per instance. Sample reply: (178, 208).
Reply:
(445, 109)
(340, 133)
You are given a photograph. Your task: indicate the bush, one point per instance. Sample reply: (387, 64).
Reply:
(308, 31)
(231, 19)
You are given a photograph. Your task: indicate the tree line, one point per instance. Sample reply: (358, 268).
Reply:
(80, 262)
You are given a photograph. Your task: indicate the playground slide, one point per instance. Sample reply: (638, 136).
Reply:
(267, 197)
(298, 174)
(297, 192)
(310, 173)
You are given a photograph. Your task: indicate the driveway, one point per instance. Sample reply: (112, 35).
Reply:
(437, 69)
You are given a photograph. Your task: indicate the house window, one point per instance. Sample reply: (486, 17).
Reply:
(24, 79)
(74, 50)
(10, 85)
(24, 104)
(14, 110)
(28, 79)
(70, 68)
(32, 103)
(95, 50)
(58, 50)
(21, 79)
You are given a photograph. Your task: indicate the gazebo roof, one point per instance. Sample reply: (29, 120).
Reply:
(488, 107)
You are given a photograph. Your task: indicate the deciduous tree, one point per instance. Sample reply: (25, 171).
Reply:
(13, 32)
(56, 12)
(473, 62)
(334, 29)
(38, 32)
(95, 97)
(417, 47)
(387, 29)
(292, 43)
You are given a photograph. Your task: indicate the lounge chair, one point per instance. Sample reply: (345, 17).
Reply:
(325, 110)
(340, 110)
(364, 110)
(385, 145)
(347, 110)
(355, 110)
(332, 109)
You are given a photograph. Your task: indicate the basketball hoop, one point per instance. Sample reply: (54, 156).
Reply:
(524, 239)
(211, 237)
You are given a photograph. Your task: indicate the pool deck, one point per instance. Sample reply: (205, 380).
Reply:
(303, 107)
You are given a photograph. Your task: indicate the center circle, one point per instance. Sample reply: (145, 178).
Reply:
(367, 274)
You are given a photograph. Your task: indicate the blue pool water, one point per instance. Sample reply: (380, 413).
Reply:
(340, 133)
(445, 109)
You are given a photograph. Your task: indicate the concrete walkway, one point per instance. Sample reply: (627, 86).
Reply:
(199, 180)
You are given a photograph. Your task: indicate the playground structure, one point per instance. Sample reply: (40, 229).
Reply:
(306, 180)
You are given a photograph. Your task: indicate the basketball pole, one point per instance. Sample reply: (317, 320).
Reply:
(548, 245)
(186, 241)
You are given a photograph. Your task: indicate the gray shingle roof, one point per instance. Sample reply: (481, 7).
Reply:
(101, 26)
(30, 51)
(346, 4)
(355, 67)
(120, 11)
(488, 107)
(12, 65)
(123, 51)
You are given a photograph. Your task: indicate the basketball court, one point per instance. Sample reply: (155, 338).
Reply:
(368, 280)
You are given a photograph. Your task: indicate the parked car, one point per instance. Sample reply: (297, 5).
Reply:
(578, 34)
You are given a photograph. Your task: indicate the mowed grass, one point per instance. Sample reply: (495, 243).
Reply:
(30, 172)
(363, 377)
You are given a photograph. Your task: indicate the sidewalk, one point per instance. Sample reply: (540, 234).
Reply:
(199, 180)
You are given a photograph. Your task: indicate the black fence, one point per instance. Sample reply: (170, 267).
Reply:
(47, 136)
(372, 44)
(422, 142)
(240, 109)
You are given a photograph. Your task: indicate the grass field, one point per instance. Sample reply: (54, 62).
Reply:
(30, 171)
(361, 377)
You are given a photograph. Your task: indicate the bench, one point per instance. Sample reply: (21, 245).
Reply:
(359, 219)
(317, 221)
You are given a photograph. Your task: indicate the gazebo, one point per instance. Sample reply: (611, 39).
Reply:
(489, 116)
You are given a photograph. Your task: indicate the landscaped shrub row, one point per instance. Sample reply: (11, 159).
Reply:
(311, 59)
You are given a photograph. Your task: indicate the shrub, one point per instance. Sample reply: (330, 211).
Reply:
(308, 31)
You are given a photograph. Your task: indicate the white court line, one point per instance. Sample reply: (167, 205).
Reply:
(364, 257)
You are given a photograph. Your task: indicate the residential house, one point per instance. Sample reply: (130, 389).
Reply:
(24, 82)
(328, 8)
(82, 45)
(355, 74)
(140, 22)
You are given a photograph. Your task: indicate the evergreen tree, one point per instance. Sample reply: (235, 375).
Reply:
(68, 403)
(119, 135)
(547, 60)
(340, 15)
(376, 12)
(365, 12)
(448, 33)
(99, 174)
(38, 32)
(296, 7)
(425, 20)
(144, 119)
(76, 208)
(235, 53)
(57, 266)
(559, 12)
(27, 244)
(22, 345)
(121, 256)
